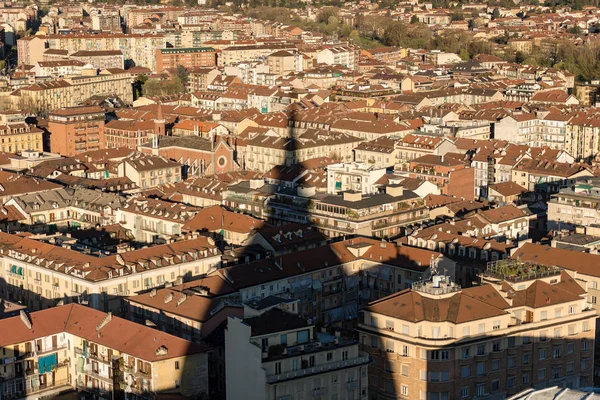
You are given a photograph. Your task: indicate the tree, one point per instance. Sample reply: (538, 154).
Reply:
(325, 13)
(182, 74)
(519, 57)
(414, 19)
(496, 13)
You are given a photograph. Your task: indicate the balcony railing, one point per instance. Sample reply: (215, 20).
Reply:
(319, 369)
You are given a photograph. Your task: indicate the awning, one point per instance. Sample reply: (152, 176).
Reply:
(47, 363)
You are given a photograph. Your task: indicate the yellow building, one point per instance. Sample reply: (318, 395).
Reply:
(16, 137)
(76, 347)
(527, 325)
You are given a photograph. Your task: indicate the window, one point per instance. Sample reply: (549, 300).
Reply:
(525, 378)
(480, 349)
(526, 358)
(283, 339)
(265, 343)
(544, 315)
(496, 346)
(405, 351)
(593, 299)
(557, 312)
(571, 329)
(389, 346)
(405, 330)
(510, 342)
(495, 385)
(374, 321)
(176, 364)
(465, 371)
(510, 382)
(389, 325)
(404, 390)
(404, 370)
(495, 365)
(556, 372)
(464, 392)
(556, 352)
(570, 368)
(277, 368)
(439, 355)
(543, 336)
(557, 333)
(481, 369)
(511, 362)
(585, 326)
(542, 354)
(584, 364)
(465, 353)
(481, 390)
(466, 330)
(481, 328)
(496, 325)
(329, 356)
(584, 345)
(570, 348)
(541, 374)
(374, 342)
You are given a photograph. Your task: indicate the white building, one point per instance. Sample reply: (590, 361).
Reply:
(340, 55)
(353, 176)
(277, 355)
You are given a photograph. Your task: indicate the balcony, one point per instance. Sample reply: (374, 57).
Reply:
(318, 369)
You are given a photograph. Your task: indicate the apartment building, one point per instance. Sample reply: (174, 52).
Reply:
(338, 55)
(278, 354)
(19, 136)
(361, 178)
(264, 151)
(547, 176)
(64, 208)
(71, 92)
(100, 59)
(75, 347)
(526, 325)
(380, 152)
(237, 54)
(414, 146)
(582, 137)
(148, 171)
(151, 219)
(577, 205)
(190, 58)
(332, 282)
(42, 275)
(75, 130)
(136, 48)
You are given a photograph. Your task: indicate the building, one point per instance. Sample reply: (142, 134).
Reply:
(101, 283)
(340, 55)
(75, 130)
(279, 354)
(189, 58)
(17, 137)
(577, 205)
(100, 59)
(148, 171)
(75, 347)
(361, 178)
(526, 325)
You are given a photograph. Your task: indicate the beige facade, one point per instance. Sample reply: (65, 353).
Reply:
(485, 348)
(32, 281)
(72, 347)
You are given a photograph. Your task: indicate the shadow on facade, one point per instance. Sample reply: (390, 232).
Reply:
(487, 366)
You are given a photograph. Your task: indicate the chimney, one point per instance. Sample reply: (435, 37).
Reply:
(169, 298)
(153, 293)
(107, 318)
(25, 319)
(181, 300)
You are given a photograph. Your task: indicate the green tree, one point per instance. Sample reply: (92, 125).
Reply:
(414, 19)
(496, 13)
(182, 74)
